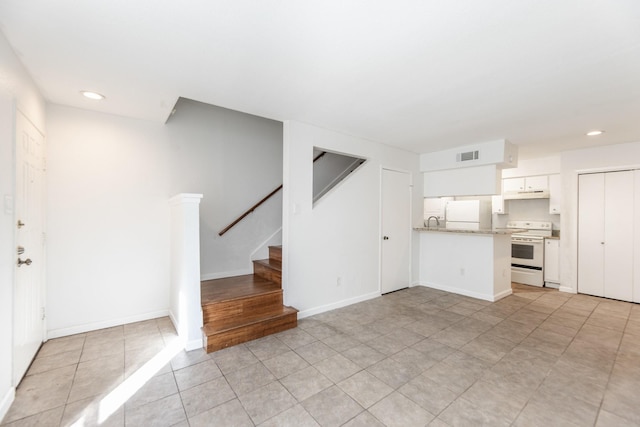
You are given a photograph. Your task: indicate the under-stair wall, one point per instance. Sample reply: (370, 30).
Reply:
(234, 159)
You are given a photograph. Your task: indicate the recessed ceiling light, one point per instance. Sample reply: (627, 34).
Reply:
(92, 95)
(595, 133)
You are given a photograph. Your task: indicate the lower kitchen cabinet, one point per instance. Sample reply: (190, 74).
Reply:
(552, 263)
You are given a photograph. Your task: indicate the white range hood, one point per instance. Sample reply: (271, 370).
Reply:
(537, 194)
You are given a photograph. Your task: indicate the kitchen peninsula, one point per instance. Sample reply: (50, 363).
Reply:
(475, 263)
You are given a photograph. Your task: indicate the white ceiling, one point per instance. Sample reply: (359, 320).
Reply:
(423, 75)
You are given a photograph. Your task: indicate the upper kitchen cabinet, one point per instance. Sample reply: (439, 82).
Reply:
(498, 206)
(525, 184)
(555, 194)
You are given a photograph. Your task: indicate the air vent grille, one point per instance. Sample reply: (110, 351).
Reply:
(469, 155)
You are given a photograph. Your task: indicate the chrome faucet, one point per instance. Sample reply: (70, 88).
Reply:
(429, 219)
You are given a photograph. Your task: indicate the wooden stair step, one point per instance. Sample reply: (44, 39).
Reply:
(275, 253)
(219, 337)
(268, 269)
(239, 298)
(230, 288)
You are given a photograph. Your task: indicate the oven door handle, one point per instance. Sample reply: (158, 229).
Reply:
(532, 241)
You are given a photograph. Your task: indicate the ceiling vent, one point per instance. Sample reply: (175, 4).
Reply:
(469, 155)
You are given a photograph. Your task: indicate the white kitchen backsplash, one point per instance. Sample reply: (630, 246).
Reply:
(527, 209)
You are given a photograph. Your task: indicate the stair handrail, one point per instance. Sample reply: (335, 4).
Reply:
(248, 211)
(264, 199)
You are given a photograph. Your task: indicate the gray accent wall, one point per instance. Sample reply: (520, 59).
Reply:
(234, 159)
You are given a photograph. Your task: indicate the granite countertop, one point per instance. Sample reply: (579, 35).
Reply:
(552, 237)
(482, 231)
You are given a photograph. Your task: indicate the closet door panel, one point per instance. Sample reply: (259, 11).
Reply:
(636, 236)
(618, 235)
(591, 234)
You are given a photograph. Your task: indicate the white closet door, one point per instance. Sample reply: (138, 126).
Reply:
(591, 234)
(636, 236)
(618, 235)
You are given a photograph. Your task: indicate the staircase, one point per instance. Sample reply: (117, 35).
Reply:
(243, 308)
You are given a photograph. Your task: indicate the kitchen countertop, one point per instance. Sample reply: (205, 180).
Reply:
(483, 231)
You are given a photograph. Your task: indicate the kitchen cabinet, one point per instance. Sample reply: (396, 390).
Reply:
(529, 183)
(555, 194)
(498, 206)
(552, 263)
(605, 234)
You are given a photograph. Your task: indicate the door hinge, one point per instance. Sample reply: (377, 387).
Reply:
(43, 313)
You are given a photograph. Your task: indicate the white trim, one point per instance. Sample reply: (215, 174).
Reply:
(567, 289)
(266, 243)
(224, 274)
(173, 319)
(338, 304)
(88, 327)
(485, 297)
(185, 198)
(6, 402)
(189, 345)
(194, 344)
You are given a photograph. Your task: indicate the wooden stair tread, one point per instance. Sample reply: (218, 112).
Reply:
(230, 288)
(213, 329)
(270, 263)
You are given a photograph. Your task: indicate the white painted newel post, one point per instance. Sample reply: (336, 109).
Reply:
(184, 305)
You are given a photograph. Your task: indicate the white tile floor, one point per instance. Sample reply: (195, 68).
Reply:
(411, 358)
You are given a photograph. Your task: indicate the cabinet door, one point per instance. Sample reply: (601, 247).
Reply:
(498, 206)
(536, 183)
(618, 235)
(512, 185)
(555, 194)
(591, 234)
(552, 260)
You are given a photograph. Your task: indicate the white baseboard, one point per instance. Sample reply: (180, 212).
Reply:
(223, 274)
(194, 344)
(477, 295)
(173, 319)
(6, 402)
(567, 289)
(88, 327)
(338, 304)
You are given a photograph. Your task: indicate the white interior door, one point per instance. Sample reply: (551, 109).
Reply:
(618, 235)
(396, 231)
(28, 323)
(591, 234)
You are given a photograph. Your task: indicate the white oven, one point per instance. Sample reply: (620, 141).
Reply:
(527, 251)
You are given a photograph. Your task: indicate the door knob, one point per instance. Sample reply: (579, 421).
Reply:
(385, 237)
(20, 224)
(26, 261)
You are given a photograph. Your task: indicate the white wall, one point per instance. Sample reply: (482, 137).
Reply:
(17, 89)
(235, 160)
(597, 159)
(340, 237)
(108, 220)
